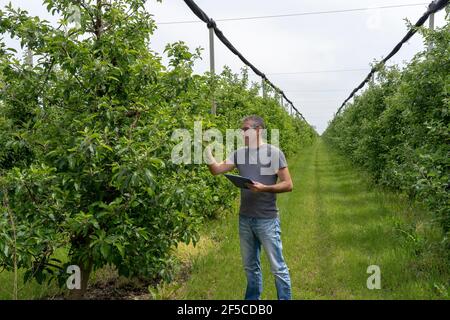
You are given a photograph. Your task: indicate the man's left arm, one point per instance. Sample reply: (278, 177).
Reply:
(284, 183)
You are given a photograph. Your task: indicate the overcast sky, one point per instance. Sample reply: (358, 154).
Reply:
(309, 43)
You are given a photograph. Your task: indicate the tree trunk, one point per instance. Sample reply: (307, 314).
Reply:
(85, 269)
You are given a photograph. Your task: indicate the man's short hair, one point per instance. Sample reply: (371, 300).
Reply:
(257, 120)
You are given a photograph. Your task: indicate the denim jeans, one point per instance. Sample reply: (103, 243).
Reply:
(254, 232)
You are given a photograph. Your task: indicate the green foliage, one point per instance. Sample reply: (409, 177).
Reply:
(398, 129)
(85, 142)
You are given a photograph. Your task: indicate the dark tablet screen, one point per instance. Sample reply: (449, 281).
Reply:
(239, 181)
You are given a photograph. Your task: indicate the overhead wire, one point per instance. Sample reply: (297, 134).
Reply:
(298, 14)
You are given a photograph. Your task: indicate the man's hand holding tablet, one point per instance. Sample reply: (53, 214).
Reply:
(238, 181)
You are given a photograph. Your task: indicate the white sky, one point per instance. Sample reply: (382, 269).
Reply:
(349, 40)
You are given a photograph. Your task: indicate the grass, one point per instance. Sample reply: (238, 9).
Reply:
(334, 225)
(28, 291)
(31, 290)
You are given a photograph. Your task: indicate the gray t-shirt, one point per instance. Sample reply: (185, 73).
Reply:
(261, 165)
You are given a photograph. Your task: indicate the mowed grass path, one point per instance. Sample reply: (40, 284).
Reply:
(334, 225)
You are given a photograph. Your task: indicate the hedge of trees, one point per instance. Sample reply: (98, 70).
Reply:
(398, 128)
(85, 142)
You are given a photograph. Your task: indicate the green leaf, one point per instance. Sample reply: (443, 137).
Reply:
(105, 250)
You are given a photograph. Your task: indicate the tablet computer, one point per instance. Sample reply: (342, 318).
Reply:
(239, 181)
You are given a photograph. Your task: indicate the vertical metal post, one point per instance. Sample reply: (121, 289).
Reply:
(431, 21)
(431, 26)
(263, 88)
(29, 57)
(281, 99)
(212, 68)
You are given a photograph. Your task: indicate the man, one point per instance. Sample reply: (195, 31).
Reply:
(259, 222)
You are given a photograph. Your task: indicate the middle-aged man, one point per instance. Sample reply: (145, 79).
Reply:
(259, 222)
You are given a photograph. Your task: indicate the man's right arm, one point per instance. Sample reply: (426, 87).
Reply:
(222, 167)
(218, 167)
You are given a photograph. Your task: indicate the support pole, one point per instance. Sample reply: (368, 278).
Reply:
(431, 26)
(212, 66)
(263, 88)
(29, 57)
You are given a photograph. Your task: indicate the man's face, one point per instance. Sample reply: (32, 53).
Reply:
(250, 132)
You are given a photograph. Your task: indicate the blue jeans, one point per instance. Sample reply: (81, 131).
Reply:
(252, 233)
